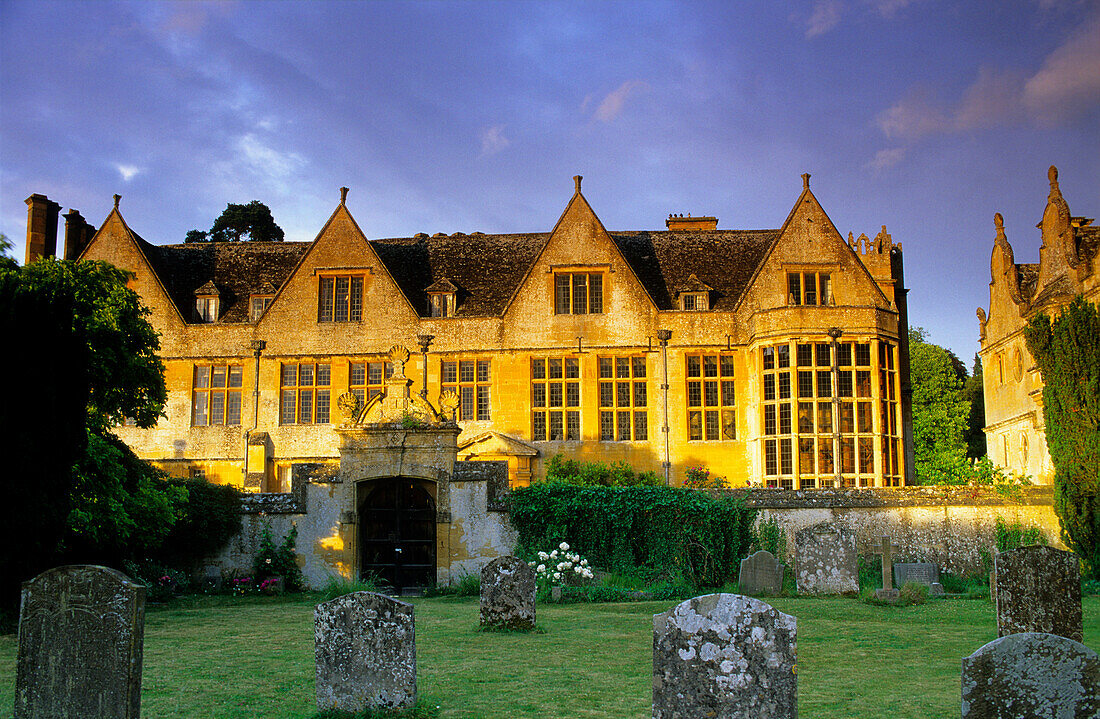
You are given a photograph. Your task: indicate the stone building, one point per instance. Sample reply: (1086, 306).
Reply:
(776, 358)
(1067, 267)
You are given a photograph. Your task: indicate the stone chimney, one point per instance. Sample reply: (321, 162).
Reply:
(41, 228)
(78, 233)
(679, 222)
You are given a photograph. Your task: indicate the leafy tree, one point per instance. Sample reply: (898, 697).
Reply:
(252, 221)
(973, 391)
(1067, 352)
(940, 412)
(82, 358)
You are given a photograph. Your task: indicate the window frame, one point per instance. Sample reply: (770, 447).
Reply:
(320, 412)
(798, 294)
(565, 415)
(566, 285)
(474, 390)
(205, 393)
(367, 389)
(207, 309)
(716, 418)
(330, 308)
(623, 417)
(265, 302)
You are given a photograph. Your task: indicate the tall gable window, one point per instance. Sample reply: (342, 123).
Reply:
(469, 379)
(623, 399)
(711, 396)
(216, 395)
(304, 394)
(578, 293)
(340, 298)
(555, 399)
(809, 288)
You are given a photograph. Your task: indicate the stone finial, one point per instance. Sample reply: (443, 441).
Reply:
(117, 198)
(343, 195)
(805, 180)
(1052, 175)
(999, 223)
(577, 181)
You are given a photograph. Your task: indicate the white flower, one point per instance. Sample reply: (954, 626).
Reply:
(563, 547)
(557, 576)
(578, 570)
(584, 562)
(554, 554)
(543, 556)
(541, 569)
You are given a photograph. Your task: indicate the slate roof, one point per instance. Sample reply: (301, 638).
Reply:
(485, 269)
(237, 269)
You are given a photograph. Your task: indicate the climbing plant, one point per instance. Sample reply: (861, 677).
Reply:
(671, 530)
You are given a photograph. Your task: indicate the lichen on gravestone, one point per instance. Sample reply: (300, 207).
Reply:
(507, 594)
(1038, 589)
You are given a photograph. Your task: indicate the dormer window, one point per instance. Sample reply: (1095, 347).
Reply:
(441, 298)
(206, 303)
(693, 295)
(810, 289)
(260, 300)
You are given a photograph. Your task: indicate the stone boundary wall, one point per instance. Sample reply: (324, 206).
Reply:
(951, 526)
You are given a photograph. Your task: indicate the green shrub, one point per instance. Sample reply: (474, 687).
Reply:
(767, 535)
(597, 474)
(338, 586)
(699, 478)
(673, 532)
(870, 571)
(912, 593)
(278, 561)
(1016, 535)
(211, 517)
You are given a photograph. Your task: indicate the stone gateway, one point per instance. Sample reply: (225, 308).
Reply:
(507, 594)
(365, 647)
(81, 631)
(724, 655)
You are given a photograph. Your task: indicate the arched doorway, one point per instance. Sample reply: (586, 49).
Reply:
(397, 532)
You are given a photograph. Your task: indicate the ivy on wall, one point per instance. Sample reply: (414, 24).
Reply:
(697, 534)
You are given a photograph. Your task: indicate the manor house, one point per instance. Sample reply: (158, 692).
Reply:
(1067, 267)
(773, 357)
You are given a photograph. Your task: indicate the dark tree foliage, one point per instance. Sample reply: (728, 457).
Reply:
(41, 426)
(241, 222)
(210, 517)
(940, 411)
(973, 391)
(1067, 352)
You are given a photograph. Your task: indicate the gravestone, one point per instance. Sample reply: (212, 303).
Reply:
(761, 573)
(81, 630)
(1031, 675)
(923, 573)
(887, 593)
(508, 594)
(1038, 590)
(724, 655)
(365, 648)
(826, 560)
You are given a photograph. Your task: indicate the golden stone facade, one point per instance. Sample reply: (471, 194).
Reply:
(771, 357)
(1067, 267)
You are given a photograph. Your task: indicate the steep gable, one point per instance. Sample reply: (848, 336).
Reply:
(809, 242)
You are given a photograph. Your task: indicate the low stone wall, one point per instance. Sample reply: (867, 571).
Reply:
(951, 526)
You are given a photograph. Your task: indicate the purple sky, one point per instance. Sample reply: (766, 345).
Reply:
(922, 115)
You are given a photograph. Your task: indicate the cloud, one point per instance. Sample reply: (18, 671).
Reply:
(493, 140)
(1065, 88)
(1068, 84)
(266, 160)
(825, 16)
(885, 159)
(613, 104)
(127, 172)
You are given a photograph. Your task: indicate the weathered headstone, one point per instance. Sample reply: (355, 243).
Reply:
(887, 593)
(826, 560)
(1031, 675)
(925, 573)
(761, 573)
(365, 647)
(724, 655)
(1038, 590)
(81, 630)
(507, 594)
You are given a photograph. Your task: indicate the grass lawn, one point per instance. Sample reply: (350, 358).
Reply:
(222, 657)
